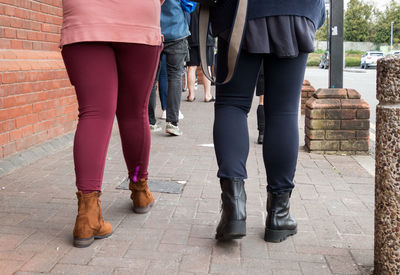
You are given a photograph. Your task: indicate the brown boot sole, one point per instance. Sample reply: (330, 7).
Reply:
(143, 210)
(82, 243)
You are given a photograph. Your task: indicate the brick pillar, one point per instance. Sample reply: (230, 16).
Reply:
(387, 179)
(37, 101)
(306, 92)
(337, 122)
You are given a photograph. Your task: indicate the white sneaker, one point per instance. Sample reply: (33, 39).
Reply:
(164, 115)
(155, 128)
(172, 129)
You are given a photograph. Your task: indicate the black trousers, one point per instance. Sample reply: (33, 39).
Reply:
(283, 79)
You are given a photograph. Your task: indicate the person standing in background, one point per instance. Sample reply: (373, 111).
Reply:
(175, 30)
(111, 50)
(163, 92)
(195, 59)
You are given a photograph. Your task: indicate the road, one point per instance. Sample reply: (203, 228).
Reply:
(364, 81)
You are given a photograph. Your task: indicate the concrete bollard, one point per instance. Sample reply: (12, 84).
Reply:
(387, 179)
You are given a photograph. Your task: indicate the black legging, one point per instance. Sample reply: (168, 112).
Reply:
(283, 79)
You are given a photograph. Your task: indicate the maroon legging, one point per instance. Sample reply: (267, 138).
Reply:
(111, 79)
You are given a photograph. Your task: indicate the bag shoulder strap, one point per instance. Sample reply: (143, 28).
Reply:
(234, 42)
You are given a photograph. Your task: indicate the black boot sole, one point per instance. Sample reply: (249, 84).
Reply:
(277, 236)
(231, 231)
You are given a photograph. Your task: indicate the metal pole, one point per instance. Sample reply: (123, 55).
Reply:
(336, 51)
(327, 30)
(391, 36)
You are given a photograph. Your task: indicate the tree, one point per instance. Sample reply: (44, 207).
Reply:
(322, 32)
(383, 24)
(357, 21)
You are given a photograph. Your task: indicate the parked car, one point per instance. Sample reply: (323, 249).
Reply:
(397, 52)
(370, 58)
(324, 61)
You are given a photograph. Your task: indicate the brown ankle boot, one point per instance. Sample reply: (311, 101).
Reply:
(89, 223)
(141, 196)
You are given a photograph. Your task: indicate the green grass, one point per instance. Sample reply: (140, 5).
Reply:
(355, 52)
(313, 59)
(352, 59)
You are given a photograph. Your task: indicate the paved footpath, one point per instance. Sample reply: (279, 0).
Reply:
(333, 203)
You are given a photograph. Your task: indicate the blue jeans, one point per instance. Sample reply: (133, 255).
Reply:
(283, 80)
(163, 82)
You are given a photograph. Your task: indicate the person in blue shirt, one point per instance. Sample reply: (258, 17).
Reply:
(279, 34)
(175, 30)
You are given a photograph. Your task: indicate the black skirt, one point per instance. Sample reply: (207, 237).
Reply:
(284, 36)
(194, 53)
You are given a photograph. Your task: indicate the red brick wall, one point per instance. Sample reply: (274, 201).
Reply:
(37, 102)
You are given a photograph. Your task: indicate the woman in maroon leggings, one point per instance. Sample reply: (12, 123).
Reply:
(111, 51)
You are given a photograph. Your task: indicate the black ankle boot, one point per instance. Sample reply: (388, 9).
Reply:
(260, 123)
(279, 224)
(233, 219)
(260, 138)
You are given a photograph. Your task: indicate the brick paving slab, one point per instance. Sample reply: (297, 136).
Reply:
(333, 202)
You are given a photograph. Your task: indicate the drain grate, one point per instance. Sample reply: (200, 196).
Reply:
(159, 186)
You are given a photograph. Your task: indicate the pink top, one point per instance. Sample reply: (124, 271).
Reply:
(131, 21)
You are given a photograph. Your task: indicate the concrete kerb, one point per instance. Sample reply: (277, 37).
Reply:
(35, 153)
